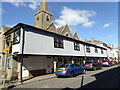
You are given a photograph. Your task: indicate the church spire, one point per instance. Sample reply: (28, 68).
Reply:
(43, 5)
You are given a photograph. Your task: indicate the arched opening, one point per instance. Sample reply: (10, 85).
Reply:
(47, 18)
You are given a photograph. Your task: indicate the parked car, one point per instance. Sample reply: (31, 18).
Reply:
(106, 63)
(69, 70)
(93, 65)
(113, 62)
(116, 60)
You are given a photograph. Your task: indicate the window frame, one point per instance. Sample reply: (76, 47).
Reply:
(88, 49)
(58, 42)
(76, 46)
(16, 37)
(102, 51)
(96, 50)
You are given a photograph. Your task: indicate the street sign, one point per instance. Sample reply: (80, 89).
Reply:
(6, 49)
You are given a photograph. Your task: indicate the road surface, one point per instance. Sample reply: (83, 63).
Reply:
(108, 77)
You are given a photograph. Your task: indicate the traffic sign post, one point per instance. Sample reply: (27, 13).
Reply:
(4, 73)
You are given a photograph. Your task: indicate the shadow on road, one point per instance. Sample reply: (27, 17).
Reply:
(106, 79)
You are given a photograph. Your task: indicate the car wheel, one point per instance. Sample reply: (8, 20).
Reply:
(94, 68)
(101, 67)
(72, 74)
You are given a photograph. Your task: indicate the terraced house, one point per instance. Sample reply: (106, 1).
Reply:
(39, 49)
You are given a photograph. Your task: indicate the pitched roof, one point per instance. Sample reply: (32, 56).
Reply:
(5, 28)
(76, 36)
(60, 29)
(52, 27)
(65, 31)
(20, 25)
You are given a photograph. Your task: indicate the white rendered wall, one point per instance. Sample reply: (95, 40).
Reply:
(43, 44)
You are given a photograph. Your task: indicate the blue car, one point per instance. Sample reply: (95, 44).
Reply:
(69, 70)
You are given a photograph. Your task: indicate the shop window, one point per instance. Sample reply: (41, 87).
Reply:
(59, 59)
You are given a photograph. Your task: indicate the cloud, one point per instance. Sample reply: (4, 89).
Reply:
(56, 26)
(88, 24)
(34, 5)
(75, 17)
(107, 25)
(22, 3)
(110, 36)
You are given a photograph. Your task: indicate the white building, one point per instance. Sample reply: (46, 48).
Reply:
(110, 51)
(115, 53)
(39, 49)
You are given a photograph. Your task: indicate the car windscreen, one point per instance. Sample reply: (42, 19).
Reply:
(88, 62)
(104, 61)
(63, 66)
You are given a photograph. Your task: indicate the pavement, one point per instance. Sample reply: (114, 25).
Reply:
(101, 78)
(49, 80)
(29, 80)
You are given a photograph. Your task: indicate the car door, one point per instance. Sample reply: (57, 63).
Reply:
(95, 64)
(73, 68)
(79, 69)
(76, 69)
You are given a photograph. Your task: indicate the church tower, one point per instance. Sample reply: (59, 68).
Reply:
(43, 17)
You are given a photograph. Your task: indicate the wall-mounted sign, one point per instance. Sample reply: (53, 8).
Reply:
(6, 49)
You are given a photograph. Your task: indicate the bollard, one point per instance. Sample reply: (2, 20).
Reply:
(82, 81)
